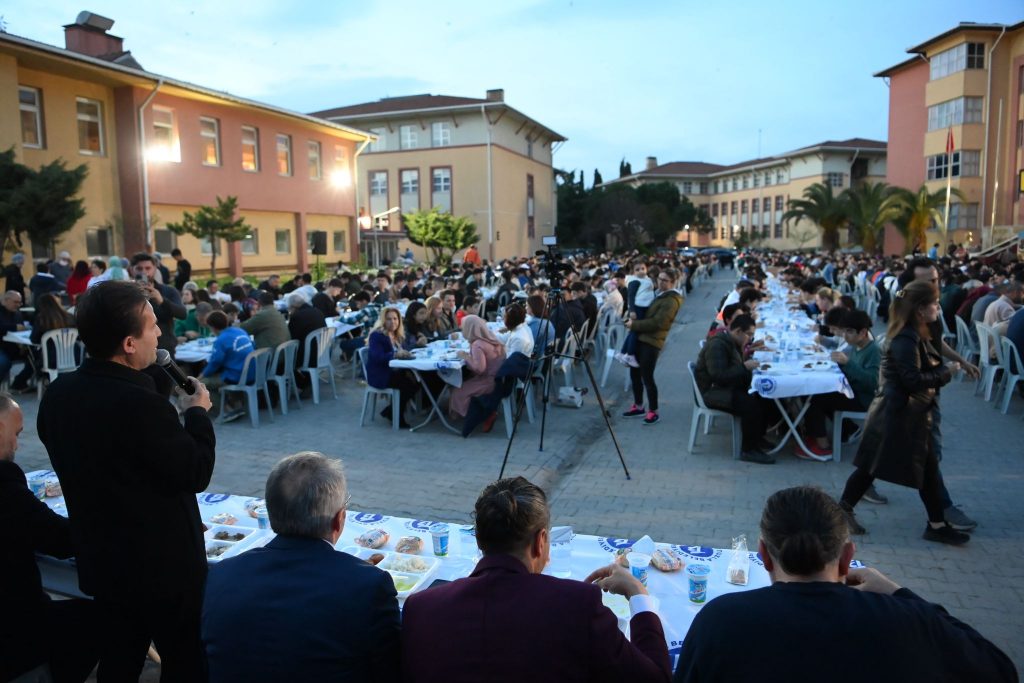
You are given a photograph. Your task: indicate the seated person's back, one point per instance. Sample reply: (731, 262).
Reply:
(297, 609)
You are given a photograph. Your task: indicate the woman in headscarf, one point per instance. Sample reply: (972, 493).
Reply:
(486, 354)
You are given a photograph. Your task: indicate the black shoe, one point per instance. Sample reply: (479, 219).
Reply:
(757, 456)
(873, 496)
(635, 411)
(945, 534)
(956, 518)
(851, 521)
(766, 444)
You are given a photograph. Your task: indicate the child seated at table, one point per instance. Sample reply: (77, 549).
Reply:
(226, 361)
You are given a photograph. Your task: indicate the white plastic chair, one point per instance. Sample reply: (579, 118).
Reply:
(509, 404)
(873, 298)
(966, 345)
(324, 338)
(1013, 372)
(259, 360)
(614, 338)
(64, 341)
(837, 430)
(370, 395)
(282, 373)
(700, 409)
(988, 346)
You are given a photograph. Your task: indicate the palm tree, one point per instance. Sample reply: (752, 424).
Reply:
(819, 205)
(871, 206)
(919, 211)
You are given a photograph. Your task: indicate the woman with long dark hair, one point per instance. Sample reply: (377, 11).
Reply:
(416, 332)
(897, 445)
(78, 281)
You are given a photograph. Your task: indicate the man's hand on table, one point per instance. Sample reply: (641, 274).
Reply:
(871, 581)
(200, 399)
(614, 578)
(840, 357)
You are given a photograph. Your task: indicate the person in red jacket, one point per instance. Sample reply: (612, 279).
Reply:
(509, 622)
(79, 280)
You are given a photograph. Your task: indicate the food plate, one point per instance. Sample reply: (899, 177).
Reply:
(223, 541)
(409, 572)
(819, 365)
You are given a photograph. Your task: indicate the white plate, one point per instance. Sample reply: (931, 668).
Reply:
(402, 578)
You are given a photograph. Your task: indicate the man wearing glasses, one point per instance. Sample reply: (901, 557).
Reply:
(296, 609)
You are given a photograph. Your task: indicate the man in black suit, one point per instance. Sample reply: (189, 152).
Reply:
(166, 301)
(184, 272)
(820, 620)
(327, 301)
(113, 442)
(35, 630)
(303, 319)
(339, 620)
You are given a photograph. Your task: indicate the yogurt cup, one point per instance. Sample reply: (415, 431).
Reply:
(638, 565)
(38, 487)
(697, 578)
(262, 517)
(439, 536)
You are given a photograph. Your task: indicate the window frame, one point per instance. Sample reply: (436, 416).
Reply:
(94, 236)
(37, 110)
(408, 137)
(277, 243)
(414, 187)
(157, 125)
(344, 240)
(314, 160)
(101, 133)
(205, 136)
(375, 186)
(255, 144)
(280, 138)
(445, 137)
(253, 240)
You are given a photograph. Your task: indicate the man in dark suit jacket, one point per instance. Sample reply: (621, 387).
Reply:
(820, 620)
(35, 630)
(509, 622)
(184, 272)
(114, 441)
(303, 319)
(296, 609)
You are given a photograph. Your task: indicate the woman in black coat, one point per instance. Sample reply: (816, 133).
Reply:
(897, 445)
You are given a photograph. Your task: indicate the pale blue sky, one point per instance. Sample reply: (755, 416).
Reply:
(677, 80)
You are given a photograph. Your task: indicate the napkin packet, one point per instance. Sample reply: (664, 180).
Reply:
(739, 563)
(561, 534)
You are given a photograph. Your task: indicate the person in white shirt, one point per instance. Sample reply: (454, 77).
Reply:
(1003, 308)
(213, 289)
(516, 335)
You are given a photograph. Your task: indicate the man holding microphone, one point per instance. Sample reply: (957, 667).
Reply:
(129, 470)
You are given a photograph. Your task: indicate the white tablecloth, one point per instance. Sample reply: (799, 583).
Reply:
(23, 337)
(438, 356)
(195, 351)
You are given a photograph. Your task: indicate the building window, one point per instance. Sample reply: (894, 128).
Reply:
(165, 145)
(30, 102)
(316, 170)
(441, 188)
(757, 180)
(766, 204)
(964, 163)
(442, 180)
(687, 187)
(284, 154)
(164, 240)
(743, 206)
(283, 241)
(703, 188)
(779, 203)
(955, 112)
(732, 208)
(746, 182)
(834, 179)
(99, 242)
(379, 183)
(962, 216)
(90, 126)
(204, 247)
(963, 56)
(767, 179)
(716, 187)
(340, 241)
(440, 134)
(733, 184)
(209, 136)
(721, 233)
(724, 208)
(408, 137)
(970, 162)
(380, 144)
(714, 210)
(780, 178)
(251, 243)
(530, 218)
(250, 149)
(410, 181)
(529, 146)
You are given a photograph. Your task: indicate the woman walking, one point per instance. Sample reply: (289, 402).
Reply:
(651, 332)
(897, 444)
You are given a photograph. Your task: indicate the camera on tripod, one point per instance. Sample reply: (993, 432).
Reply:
(551, 262)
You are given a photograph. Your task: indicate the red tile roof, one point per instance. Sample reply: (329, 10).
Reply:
(390, 105)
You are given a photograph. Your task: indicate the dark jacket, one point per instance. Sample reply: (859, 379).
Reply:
(566, 314)
(44, 283)
(897, 442)
(653, 328)
(27, 527)
(268, 327)
(14, 280)
(9, 323)
(183, 274)
(298, 610)
(301, 322)
(380, 352)
(503, 623)
(720, 371)
(166, 313)
(113, 441)
(847, 636)
(325, 304)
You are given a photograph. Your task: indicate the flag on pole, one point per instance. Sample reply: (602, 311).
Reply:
(949, 141)
(949, 185)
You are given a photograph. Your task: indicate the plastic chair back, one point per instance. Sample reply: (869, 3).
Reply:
(63, 341)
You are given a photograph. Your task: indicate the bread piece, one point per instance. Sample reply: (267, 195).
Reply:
(409, 544)
(666, 561)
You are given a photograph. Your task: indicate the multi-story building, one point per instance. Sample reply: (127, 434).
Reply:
(969, 83)
(477, 158)
(156, 147)
(752, 196)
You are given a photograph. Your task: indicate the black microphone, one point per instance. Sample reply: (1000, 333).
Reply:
(163, 359)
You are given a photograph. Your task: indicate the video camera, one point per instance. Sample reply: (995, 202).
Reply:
(551, 262)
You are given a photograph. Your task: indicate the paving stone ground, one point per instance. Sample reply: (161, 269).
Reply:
(701, 498)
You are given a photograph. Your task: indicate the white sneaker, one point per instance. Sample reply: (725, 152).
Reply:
(631, 361)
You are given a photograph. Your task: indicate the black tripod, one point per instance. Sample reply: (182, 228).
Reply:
(546, 360)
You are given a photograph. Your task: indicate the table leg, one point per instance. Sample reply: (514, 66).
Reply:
(435, 406)
(793, 431)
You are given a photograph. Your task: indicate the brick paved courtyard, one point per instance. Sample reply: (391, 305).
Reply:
(700, 498)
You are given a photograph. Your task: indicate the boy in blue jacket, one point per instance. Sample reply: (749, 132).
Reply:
(230, 349)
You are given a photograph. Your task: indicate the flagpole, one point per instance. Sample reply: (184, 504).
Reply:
(949, 190)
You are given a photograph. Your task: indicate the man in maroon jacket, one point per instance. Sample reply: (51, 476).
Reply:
(509, 622)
